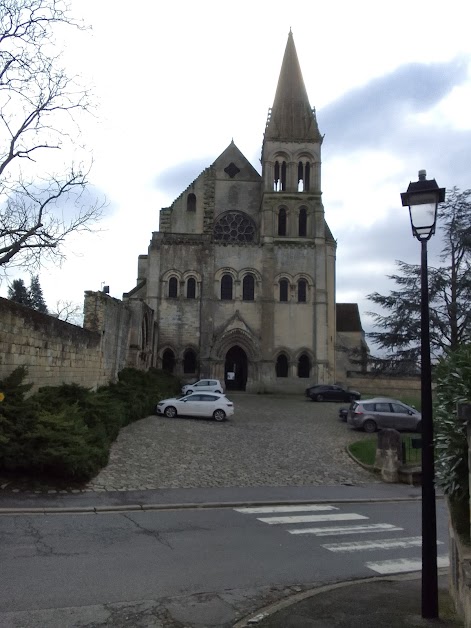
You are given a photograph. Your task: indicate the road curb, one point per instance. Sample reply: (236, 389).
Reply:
(262, 613)
(195, 505)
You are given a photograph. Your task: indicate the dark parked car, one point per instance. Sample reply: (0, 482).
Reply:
(327, 392)
(373, 414)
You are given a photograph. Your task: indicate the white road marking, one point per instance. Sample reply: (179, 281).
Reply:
(403, 565)
(268, 509)
(411, 541)
(311, 518)
(341, 530)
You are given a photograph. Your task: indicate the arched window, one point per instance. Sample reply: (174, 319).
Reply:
(168, 361)
(191, 288)
(189, 361)
(281, 366)
(191, 203)
(279, 178)
(282, 222)
(304, 176)
(248, 288)
(226, 288)
(283, 289)
(304, 366)
(307, 177)
(302, 290)
(173, 288)
(302, 222)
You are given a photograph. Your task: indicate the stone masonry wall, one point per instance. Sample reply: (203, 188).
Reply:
(52, 350)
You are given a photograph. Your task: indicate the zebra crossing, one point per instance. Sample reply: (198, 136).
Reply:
(295, 515)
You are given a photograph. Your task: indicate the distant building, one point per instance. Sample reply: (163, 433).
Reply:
(241, 275)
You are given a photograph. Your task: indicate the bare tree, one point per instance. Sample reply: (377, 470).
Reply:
(39, 106)
(68, 311)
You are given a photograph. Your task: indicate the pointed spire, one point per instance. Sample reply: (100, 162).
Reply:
(291, 116)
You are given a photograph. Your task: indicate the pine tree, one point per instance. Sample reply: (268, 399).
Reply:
(19, 293)
(398, 332)
(36, 295)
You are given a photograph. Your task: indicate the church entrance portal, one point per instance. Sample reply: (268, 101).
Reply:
(235, 369)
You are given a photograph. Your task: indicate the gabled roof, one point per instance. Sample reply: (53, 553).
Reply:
(292, 117)
(233, 155)
(348, 317)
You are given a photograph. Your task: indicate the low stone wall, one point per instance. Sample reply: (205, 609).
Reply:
(52, 350)
(460, 575)
(369, 385)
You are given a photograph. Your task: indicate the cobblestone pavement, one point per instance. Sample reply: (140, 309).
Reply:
(270, 441)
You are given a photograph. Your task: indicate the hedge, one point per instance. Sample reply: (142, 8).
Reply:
(66, 431)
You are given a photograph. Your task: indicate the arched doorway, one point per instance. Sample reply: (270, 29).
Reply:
(236, 363)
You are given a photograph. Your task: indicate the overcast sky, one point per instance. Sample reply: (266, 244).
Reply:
(175, 82)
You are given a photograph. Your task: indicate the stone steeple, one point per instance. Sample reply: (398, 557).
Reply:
(291, 117)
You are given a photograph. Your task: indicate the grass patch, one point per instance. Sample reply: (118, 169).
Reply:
(365, 450)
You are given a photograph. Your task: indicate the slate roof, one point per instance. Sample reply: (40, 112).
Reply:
(348, 317)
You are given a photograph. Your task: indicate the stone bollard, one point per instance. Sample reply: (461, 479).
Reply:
(389, 454)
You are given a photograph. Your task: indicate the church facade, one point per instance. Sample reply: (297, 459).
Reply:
(240, 277)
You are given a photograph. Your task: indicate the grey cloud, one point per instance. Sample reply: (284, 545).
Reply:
(372, 113)
(174, 180)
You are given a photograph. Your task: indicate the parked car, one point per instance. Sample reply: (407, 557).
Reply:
(325, 392)
(198, 404)
(211, 385)
(380, 412)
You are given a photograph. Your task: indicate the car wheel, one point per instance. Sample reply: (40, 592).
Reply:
(219, 392)
(219, 415)
(319, 398)
(170, 412)
(369, 426)
(418, 427)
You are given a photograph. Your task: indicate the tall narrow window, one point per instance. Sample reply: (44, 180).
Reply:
(302, 290)
(248, 288)
(191, 203)
(189, 361)
(283, 290)
(173, 288)
(226, 288)
(302, 222)
(283, 176)
(307, 177)
(281, 366)
(191, 288)
(300, 177)
(168, 361)
(276, 177)
(282, 222)
(304, 366)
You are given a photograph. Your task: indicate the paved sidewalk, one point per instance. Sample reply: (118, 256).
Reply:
(394, 602)
(201, 497)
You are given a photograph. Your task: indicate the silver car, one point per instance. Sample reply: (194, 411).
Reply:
(380, 412)
(206, 385)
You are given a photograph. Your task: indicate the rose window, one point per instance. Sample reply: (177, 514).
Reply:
(234, 227)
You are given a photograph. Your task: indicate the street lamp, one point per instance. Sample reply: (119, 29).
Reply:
(423, 197)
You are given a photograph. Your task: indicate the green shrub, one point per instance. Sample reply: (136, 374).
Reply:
(66, 431)
(453, 386)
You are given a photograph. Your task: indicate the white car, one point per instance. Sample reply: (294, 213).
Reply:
(205, 404)
(210, 385)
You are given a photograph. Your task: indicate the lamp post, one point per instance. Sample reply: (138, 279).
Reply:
(423, 197)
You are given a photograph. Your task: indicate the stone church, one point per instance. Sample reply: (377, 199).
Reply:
(239, 281)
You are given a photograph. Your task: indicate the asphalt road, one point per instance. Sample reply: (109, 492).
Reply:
(193, 567)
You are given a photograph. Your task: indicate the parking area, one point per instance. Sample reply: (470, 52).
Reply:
(271, 441)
